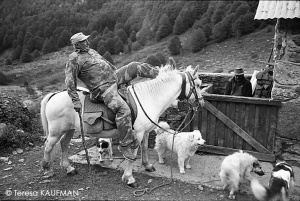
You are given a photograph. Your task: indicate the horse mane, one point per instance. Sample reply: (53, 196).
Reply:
(166, 74)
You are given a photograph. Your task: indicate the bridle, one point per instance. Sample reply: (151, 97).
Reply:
(182, 96)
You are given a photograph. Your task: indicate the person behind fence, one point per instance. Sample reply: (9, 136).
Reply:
(264, 82)
(102, 78)
(238, 85)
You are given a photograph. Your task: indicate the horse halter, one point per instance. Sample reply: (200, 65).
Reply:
(182, 95)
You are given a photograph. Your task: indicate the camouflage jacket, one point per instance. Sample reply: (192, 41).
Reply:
(92, 69)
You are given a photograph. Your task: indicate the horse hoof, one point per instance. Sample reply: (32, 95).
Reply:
(133, 185)
(72, 172)
(151, 169)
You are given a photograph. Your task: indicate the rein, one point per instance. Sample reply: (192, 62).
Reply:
(193, 109)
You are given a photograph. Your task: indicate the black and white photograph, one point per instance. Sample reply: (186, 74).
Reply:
(150, 100)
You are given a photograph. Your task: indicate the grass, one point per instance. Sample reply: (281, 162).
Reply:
(245, 51)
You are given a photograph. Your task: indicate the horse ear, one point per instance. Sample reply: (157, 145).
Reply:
(196, 70)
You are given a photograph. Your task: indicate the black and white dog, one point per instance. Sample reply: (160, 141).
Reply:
(105, 148)
(280, 185)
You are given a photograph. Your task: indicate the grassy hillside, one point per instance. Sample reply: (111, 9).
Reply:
(47, 71)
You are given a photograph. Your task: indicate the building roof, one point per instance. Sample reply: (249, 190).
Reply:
(277, 9)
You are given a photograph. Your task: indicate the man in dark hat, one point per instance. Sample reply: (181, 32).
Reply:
(239, 85)
(102, 80)
(264, 82)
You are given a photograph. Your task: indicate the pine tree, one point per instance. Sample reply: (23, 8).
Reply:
(101, 50)
(26, 56)
(16, 53)
(49, 46)
(119, 47)
(108, 57)
(165, 28)
(198, 40)
(122, 34)
(174, 46)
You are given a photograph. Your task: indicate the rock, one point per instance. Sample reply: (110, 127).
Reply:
(150, 181)
(4, 159)
(81, 189)
(19, 151)
(9, 162)
(21, 160)
(14, 152)
(45, 181)
(200, 187)
(3, 127)
(288, 156)
(6, 169)
(294, 149)
(7, 176)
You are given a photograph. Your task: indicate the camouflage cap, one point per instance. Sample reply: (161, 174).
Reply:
(78, 37)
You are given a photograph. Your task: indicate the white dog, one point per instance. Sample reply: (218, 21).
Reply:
(280, 185)
(236, 167)
(185, 144)
(105, 148)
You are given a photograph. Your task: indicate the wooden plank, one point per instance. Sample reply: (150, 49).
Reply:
(240, 120)
(227, 151)
(220, 127)
(229, 134)
(199, 119)
(249, 123)
(204, 123)
(241, 99)
(194, 123)
(266, 126)
(212, 123)
(208, 131)
(235, 128)
(272, 128)
(256, 122)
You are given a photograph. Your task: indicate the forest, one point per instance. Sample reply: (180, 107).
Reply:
(31, 28)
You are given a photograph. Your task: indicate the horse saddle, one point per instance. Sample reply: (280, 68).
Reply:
(98, 117)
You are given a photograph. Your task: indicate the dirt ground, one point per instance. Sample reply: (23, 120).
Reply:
(21, 179)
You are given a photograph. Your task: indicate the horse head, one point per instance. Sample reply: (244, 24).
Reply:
(195, 96)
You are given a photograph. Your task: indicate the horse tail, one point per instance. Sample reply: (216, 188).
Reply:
(43, 113)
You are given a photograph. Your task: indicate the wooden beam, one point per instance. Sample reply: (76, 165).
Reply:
(241, 99)
(227, 151)
(238, 130)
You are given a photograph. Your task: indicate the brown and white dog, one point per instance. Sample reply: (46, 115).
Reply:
(280, 185)
(185, 144)
(236, 167)
(105, 148)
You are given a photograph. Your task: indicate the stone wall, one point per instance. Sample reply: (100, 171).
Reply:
(218, 80)
(287, 86)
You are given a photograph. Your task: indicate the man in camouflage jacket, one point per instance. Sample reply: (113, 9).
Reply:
(102, 79)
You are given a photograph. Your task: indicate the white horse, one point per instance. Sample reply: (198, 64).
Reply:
(152, 97)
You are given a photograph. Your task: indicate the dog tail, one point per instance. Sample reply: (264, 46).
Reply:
(259, 191)
(162, 126)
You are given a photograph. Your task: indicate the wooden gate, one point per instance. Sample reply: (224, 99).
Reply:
(231, 123)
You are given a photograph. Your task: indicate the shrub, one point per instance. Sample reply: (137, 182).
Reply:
(16, 53)
(36, 53)
(161, 57)
(108, 57)
(153, 60)
(8, 62)
(133, 36)
(136, 46)
(174, 46)
(26, 56)
(101, 50)
(122, 34)
(16, 116)
(165, 28)
(4, 80)
(198, 40)
(49, 46)
(119, 47)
